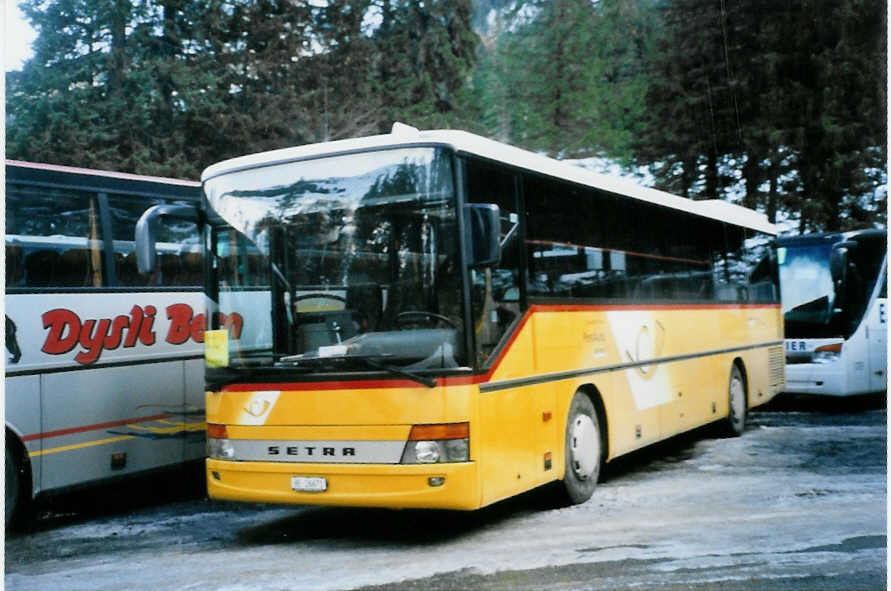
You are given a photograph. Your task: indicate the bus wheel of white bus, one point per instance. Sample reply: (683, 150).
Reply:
(13, 486)
(735, 423)
(583, 450)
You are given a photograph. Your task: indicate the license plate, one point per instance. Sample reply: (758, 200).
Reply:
(308, 484)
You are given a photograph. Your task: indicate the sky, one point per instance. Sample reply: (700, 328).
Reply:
(17, 37)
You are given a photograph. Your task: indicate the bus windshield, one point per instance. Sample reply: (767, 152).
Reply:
(813, 305)
(342, 263)
(807, 291)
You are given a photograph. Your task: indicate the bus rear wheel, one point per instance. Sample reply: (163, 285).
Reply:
(583, 450)
(735, 423)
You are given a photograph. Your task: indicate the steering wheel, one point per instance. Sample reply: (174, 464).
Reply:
(416, 316)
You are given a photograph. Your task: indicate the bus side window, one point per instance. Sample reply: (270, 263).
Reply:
(763, 280)
(745, 269)
(179, 247)
(52, 238)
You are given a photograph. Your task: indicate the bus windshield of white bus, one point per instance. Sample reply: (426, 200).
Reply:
(348, 262)
(816, 304)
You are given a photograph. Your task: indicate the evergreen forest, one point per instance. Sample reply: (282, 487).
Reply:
(779, 105)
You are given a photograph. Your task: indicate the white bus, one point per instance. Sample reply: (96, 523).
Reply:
(104, 368)
(834, 294)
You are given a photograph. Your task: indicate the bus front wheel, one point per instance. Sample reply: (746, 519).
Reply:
(735, 423)
(583, 450)
(13, 487)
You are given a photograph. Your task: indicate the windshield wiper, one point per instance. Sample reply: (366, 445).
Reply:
(369, 361)
(425, 380)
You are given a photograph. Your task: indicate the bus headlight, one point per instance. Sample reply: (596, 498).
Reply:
(827, 353)
(433, 444)
(219, 447)
(427, 452)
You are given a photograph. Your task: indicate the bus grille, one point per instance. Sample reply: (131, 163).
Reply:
(776, 373)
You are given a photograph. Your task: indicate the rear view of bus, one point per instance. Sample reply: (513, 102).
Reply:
(834, 304)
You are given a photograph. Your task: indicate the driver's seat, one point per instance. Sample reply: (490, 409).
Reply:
(403, 297)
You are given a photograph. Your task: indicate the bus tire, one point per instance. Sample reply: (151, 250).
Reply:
(13, 488)
(735, 423)
(583, 450)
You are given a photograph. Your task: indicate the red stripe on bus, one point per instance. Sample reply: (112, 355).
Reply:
(484, 377)
(642, 307)
(344, 384)
(95, 427)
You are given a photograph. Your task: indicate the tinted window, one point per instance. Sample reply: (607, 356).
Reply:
(585, 243)
(52, 238)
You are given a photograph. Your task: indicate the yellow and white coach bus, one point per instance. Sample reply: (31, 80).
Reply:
(104, 365)
(449, 321)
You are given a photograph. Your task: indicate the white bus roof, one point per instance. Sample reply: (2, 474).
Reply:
(462, 141)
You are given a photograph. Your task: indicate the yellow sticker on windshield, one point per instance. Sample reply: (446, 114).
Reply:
(216, 348)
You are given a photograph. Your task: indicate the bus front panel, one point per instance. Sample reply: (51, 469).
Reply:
(351, 446)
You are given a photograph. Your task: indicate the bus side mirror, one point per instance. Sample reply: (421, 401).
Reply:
(482, 226)
(838, 260)
(838, 268)
(147, 231)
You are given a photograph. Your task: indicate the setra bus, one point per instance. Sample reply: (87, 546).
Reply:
(834, 294)
(445, 321)
(104, 364)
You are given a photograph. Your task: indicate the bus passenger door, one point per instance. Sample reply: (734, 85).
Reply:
(517, 428)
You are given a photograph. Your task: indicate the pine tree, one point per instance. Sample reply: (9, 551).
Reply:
(780, 94)
(169, 86)
(567, 77)
(426, 50)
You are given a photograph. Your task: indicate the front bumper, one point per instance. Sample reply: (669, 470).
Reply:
(354, 485)
(816, 378)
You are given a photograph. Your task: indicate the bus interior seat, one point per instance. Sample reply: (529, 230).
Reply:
(171, 268)
(193, 268)
(367, 301)
(15, 268)
(128, 273)
(40, 268)
(75, 269)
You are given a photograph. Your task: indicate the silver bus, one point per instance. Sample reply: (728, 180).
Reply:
(104, 368)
